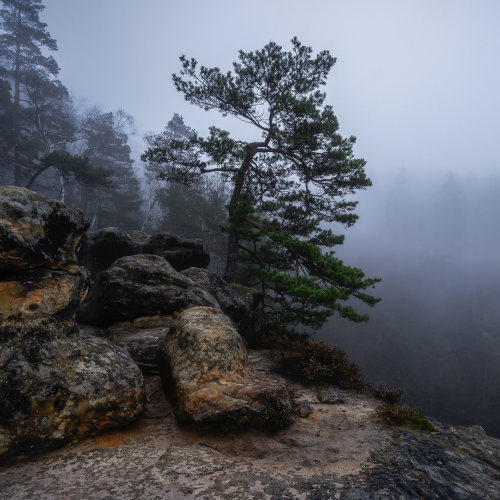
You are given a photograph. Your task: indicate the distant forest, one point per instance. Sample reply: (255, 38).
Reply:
(436, 244)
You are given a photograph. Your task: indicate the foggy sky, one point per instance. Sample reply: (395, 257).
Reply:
(416, 81)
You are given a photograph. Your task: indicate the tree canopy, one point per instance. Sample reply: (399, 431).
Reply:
(289, 185)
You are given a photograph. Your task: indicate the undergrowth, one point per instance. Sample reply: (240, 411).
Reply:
(393, 414)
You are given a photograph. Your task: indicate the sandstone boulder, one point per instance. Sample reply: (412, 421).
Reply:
(57, 386)
(206, 373)
(36, 232)
(229, 300)
(101, 249)
(42, 293)
(142, 339)
(140, 285)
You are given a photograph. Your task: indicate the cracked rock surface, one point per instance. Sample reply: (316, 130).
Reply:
(338, 451)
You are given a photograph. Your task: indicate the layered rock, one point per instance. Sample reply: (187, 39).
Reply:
(229, 300)
(55, 386)
(205, 371)
(36, 232)
(102, 248)
(140, 285)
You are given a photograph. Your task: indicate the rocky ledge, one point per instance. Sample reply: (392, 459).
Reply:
(337, 451)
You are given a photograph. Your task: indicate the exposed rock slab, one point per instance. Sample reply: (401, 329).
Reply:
(227, 297)
(56, 387)
(102, 248)
(36, 231)
(205, 370)
(140, 285)
(339, 451)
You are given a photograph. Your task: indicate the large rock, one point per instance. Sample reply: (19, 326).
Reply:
(142, 339)
(205, 371)
(42, 293)
(102, 248)
(140, 285)
(229, 300)
(56, 387)
(36, 232)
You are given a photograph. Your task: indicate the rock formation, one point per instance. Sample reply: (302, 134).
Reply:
(101, 249)
(229, 300)
(142, 338)
(36, 232)
(205, 370)
(140, 285)
(55, 386)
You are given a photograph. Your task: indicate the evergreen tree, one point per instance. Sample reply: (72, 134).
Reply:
(295, 178)
(22, 57)
(105, 137)
(190, 206)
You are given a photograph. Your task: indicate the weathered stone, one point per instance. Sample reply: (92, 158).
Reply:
(205, 370)
(140, 285)
(142, 338)
(181, 253)
(99, 250)
(56, 387)
(330, 396)
(36, 231)
(42, 293)
(229, 300)
(141, 323)
(250, 295)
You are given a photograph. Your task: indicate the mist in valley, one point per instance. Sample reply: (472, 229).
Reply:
(435, 243)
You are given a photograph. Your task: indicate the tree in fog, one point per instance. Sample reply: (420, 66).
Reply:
(193, 206)
(285, 185)
(22, 44)
(104, 141)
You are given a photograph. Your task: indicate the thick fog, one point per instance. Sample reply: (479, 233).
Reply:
(417, 83)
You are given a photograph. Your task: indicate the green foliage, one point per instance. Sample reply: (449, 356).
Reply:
(394, 414)
(285, 186)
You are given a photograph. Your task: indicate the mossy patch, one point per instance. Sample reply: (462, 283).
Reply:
(395, 415)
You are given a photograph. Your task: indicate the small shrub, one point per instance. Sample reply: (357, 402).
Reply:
(391, 395)
(312, 362)
(394, 414)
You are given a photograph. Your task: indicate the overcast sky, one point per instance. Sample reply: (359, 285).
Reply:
(416, 81)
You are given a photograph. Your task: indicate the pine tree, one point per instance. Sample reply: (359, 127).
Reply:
(105, 138)
(21, 54)
(287, 185)
(192, 206)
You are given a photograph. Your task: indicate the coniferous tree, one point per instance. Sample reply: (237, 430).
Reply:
(23, 60)
(190, 206)
(105, 144)
(295, 177)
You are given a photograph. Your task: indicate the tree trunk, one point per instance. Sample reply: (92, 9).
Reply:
(232, 244)
(18, 174)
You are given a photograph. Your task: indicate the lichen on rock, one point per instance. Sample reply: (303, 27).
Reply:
(140, 285)
(205, 371)
(36, 231)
